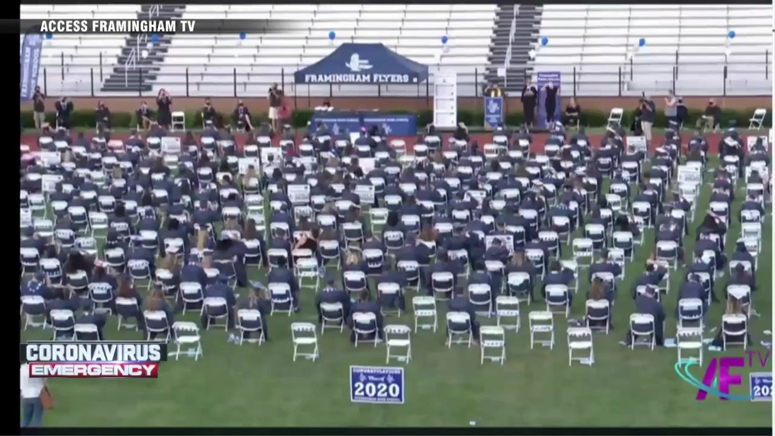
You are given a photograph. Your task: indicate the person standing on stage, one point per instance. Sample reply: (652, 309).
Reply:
(275, 102)
(529, 94)
(164, 116)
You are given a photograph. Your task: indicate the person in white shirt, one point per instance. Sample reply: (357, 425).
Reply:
(31, 389)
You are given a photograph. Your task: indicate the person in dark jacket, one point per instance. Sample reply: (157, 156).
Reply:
(648, 304)
(281, 274)
(220, 289)
(256, 300)
(557, 276)
(331, 294)
(461, 303)
(529, 98)
(363, 305)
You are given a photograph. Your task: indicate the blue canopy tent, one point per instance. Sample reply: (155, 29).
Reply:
(363, 64)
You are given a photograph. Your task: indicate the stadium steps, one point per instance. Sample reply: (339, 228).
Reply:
(499, 44)
(131, 80)
(525, 38)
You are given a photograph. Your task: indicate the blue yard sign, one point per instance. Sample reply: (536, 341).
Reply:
(761, 386)
(375, 384)
(30, 64)
(493, 111)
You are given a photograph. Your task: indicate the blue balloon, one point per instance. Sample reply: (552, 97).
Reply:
(444, 39)
(243, 35)
(731, 34)
(332, 35)
(49, 35)
(154, 37)
(641, 42)
(544, 40)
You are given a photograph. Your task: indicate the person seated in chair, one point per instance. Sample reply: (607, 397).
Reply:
(648, 304)
(693, 288)
(558, 276)
(462, 303)
(220, 289)
(363, 305)
(145, 116)
(734, 307)
(331, 294)
(600, 290)
(603, 265)
(281, 274)
(257, 300)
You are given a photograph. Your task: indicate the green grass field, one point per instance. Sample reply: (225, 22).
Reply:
(260, 386)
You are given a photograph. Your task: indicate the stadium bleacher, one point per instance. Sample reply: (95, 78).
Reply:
(594, 40)
(69, 60)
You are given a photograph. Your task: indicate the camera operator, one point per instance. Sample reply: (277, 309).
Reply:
(648, 116)
(39, 108)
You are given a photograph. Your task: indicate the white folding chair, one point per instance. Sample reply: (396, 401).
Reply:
(332, 315)
(690, 311)
(583, 249)
(580, 338)
(365, 323)
(280, 294)
(598, 310)
(459, 325)
(250, 322)
(424, 307)
(187, 333)
(398, 336)
(642, 325)
(735, 326)
(507, 307)
(756, 121)
(541, 323)
(303, 334)
(492, 338)
(557, 296)
(688, 339)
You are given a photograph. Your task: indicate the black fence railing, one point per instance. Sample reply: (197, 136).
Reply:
(628, 78)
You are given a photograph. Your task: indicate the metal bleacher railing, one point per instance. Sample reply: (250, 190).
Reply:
(620, 79)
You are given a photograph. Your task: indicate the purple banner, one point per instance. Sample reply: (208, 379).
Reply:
(30, 64)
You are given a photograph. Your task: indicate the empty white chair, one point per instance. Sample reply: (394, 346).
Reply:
(507, 307)
(541, 323)
(580, 338)
(398, 337)
(688, 340)
(424, 307)
(492, 338)
(303, 334)
(583, 252)
(187, 333)
(459, 325)
(32, 306)
(642, 325)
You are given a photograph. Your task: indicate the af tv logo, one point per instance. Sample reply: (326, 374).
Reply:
(718, 378)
